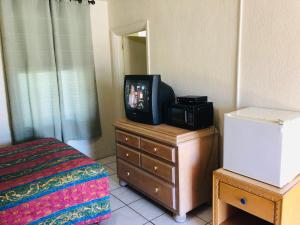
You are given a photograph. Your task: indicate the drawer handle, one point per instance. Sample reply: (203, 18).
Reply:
(156, 190)
(127, 155)
(128, 174)
(243, 201)
(126, 138)
(155, 149)
(155, 168)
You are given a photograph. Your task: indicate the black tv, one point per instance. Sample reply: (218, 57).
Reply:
(146, 97)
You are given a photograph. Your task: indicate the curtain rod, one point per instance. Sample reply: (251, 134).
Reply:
(89, 1)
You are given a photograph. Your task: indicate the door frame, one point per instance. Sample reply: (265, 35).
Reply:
(118, 66)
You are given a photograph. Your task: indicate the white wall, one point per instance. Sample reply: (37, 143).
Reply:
(5, 136)
(193, 44)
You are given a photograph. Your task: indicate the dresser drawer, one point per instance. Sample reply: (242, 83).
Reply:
(128, 154)
(154, 187)
(128, 139)
(247, 201)
(158, 168)
(128, 173)
(160, 150)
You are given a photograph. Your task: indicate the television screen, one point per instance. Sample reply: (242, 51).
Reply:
(137, 95)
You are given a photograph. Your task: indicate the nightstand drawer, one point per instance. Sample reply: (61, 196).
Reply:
(160, 150)
(128, 154)
(246, 201)
(158, 168)
(150, 185)
(128, 139)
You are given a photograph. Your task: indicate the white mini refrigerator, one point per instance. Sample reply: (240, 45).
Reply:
(263, 144)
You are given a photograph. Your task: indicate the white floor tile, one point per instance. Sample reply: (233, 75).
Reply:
(110, 170)
(125, 216)
(168, 220)
(146, 208)
(126, 195)
(205, 213)
(115, 203)
(112, 165)
(113, 182)
(109, 159)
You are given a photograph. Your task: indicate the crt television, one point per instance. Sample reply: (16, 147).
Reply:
(146, 97)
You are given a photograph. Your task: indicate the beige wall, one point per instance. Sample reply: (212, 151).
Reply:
(240, 53)
(270, 54)
(193, 44)
(135, 55)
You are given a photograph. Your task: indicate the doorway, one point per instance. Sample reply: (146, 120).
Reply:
(135, 53)
(130, 55)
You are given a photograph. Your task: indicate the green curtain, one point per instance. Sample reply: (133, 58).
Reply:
(49, 67)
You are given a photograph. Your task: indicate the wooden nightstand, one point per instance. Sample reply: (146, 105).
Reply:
(170, 165)
(238, 200)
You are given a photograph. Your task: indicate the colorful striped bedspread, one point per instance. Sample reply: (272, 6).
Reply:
(49, 182)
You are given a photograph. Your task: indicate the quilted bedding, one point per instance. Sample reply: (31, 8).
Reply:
(48, 182)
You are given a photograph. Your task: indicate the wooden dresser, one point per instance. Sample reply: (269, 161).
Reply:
(239, 200)
(170, 165)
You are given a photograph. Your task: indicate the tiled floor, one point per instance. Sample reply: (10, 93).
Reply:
(131, 208)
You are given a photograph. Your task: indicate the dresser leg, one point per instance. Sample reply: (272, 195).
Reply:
(122, 183)
(180, 218)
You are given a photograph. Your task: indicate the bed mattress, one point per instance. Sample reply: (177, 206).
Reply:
(48, 182)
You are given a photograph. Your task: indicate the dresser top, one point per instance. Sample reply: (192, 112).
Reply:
(163, 132)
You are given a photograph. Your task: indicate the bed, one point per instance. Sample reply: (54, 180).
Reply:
(48, 182)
